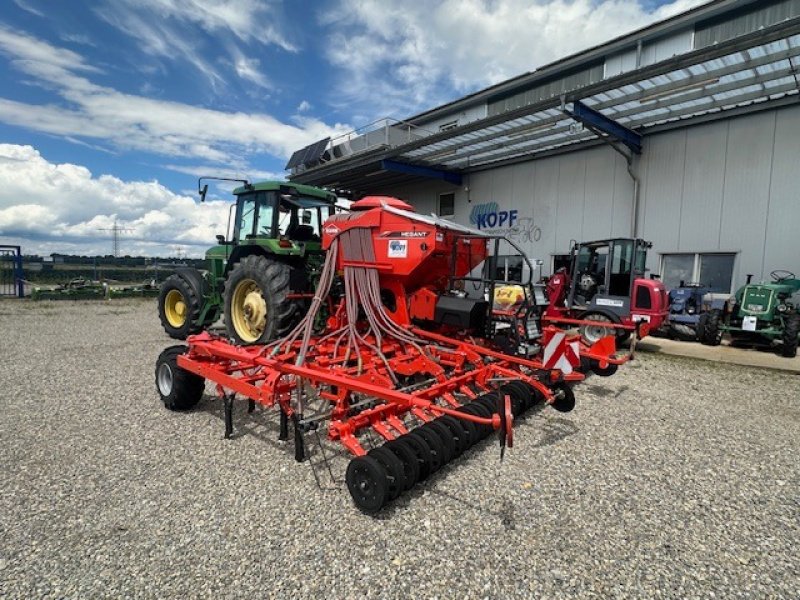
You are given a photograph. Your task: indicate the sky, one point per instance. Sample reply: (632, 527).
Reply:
(111, 109)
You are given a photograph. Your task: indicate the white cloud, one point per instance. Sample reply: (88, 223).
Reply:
(304, 106)
(134, 122)
(248, 20)
(409, 56)
(65, 207)
(27, 7)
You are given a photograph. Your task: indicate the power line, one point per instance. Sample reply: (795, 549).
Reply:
(115, 230)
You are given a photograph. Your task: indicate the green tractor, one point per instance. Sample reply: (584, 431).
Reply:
(263, 278)
(759, 313)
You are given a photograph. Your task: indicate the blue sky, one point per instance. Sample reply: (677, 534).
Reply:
(109, 109)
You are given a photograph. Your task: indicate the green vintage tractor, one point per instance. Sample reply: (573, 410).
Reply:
(759, 314)
(263, 278)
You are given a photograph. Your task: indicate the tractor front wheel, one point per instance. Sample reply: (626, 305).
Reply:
(179, 389)
(179, 308)
(592, 334)
(257, 307)
(712, 336)
(791, 329)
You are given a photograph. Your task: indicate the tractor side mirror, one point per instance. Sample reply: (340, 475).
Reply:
(203, 193)
(220, 239)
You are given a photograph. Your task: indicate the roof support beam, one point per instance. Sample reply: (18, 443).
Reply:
(687, 84)
(420, 171)
(601, 124)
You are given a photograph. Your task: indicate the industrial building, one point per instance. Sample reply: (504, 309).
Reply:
(685, 133)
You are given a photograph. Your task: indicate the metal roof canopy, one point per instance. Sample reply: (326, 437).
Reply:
(761, 67)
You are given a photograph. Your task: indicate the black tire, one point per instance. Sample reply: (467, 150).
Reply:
(567, 400)
(791, 329)
(445, 436)
(434, 444)
(700, 329)
(183, 322)
(475, 431)
(481, 411)
(712, 336)
(268, 280)
(367, 482)
(460, 435)
(591, 335)
(408, 457)
(422, 451)
(179, 389)
(607, 372)
(395, 473)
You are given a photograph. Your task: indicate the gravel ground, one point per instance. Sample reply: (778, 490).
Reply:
(674, 478)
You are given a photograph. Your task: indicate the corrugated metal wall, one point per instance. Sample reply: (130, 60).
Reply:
(731, 186)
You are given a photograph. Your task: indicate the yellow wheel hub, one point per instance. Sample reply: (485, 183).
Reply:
(248, 311)
(175, 308)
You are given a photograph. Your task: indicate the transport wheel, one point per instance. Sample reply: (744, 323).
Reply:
(409, 459)
(367, 482)
(434, 444)
(257, 309)
(460, 435)
(422, 451)
(607, 372)
(712, 334)
(179, 389)
(446, 437)
(564, 402)
(791, 329)
(395, 477)
(179, 307)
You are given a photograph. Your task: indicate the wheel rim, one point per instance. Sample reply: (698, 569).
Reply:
(368, 493)
(175, 308)
(165, 379)
(594, 333)
(248, 311)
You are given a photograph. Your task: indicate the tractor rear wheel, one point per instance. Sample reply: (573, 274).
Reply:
(179, 389)
(791, 329)
(257, 307)
(179, 307)
(712, 336)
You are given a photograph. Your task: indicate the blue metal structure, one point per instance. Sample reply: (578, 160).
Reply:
(421, 171)
(11, 280)
(598, 122)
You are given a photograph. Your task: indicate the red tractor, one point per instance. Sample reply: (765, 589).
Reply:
(604, 291)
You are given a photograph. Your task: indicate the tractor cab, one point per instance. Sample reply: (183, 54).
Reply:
(605, 283)
(288, 217)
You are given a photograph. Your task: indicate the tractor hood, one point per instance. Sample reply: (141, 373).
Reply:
(757, 300)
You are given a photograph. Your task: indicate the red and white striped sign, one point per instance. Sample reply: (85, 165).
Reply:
(560, 354)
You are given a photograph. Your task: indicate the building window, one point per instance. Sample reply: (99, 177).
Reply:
(559, 261)
(448, 126)
(447, 205)
(714, 270)
(508, 268)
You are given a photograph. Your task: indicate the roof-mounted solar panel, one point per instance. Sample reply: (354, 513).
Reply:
(309, 155)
